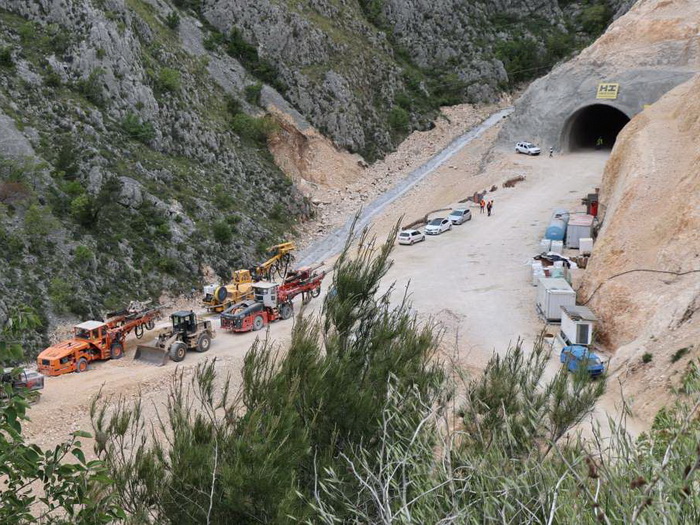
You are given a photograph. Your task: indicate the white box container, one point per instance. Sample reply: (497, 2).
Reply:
(579, 226)
(585, 245)
(537, 272)
(552, 294)
(577, 323)
(545, 245)
(557, 247)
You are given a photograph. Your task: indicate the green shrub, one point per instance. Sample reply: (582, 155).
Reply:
(223, 200)
(39, 223)
(66, 163)
(520, 57)
(168, 81)
(222, 232)
(678, 355)
(253, 129)
(83, 255)
(595, 18)
(213, 41)
(252, 93)
(142, 131)
(647, 357)
(27, 32)
(6, 59)
(91, 87)
(60, 293)
(399, 119)
(82, 209)
(53, 79)
(233, 105)
(172, 20)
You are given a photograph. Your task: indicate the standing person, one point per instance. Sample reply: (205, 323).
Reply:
(482, 203)
(599, 143)
(489, 206)
(551, 151)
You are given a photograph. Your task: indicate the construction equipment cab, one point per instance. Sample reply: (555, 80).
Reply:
(94, 340)
(186, 333)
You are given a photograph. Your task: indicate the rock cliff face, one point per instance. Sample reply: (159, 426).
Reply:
(136, 135)
(651, 224)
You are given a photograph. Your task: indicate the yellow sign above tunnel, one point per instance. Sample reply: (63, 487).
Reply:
(607, 91)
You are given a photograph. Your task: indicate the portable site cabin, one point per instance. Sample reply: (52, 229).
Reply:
(552, 294)
(577, 324)
(579, 226)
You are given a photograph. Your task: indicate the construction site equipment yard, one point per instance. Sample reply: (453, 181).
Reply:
(483, 263)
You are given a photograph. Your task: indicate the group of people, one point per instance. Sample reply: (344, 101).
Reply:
(488, 205)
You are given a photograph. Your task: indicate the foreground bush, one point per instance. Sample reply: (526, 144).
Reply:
(356, 423)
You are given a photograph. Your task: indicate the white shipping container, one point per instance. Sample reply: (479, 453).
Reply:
(585, 245)
(545, 245)
(580, 226)
(552, 294)
(577, 324)
(558, 247)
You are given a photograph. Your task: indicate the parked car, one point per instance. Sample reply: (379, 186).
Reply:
(437, 226)
(411, 237)
(576, 356)
(527, 148)
(459, 216)
(31, 380)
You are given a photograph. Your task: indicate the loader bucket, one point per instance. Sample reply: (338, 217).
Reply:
(152, 355)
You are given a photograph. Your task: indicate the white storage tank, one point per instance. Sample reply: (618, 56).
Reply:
(579, 226)
(552, 294)
(577, 323)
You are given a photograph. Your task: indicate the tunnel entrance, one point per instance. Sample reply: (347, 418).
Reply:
(585, 127)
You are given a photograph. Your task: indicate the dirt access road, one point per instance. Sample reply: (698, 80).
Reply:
(474, 279)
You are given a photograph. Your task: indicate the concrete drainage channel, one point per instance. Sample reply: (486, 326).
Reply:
(334, 241)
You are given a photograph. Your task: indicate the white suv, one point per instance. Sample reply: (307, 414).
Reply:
(527, 148)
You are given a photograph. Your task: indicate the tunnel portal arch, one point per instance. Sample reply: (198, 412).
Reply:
(588, 124)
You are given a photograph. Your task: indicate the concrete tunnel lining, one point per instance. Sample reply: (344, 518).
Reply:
(587, 124)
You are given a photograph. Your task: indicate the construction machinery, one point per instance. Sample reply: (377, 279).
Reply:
(272, 301)
(94, 340)
(217, 298)
(185, 333)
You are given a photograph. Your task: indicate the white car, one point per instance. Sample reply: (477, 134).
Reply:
(527, 148)
(410, 237)
(437, 226)
(459, 216)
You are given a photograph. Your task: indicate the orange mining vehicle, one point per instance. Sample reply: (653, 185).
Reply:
(94, 340)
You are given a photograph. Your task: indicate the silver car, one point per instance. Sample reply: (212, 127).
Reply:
(527, 148)
(459, 216)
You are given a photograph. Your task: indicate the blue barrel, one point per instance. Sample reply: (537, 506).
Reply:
(556, 231)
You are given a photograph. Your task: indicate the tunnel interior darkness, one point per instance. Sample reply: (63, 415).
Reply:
(589, 124)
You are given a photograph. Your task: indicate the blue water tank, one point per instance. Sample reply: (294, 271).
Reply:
(556, 231)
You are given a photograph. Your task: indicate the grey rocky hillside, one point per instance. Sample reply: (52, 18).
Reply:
(133, 145)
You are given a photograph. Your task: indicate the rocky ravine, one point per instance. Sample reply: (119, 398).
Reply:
(135, 138)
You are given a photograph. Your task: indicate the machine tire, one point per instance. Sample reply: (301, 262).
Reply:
(81, 365)
(204, 342)
(178, 351)
(258, 323)
(286, 311)
(138, 331)
(220, 294)
(315, 292)
(117, 350)
(150, 325)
